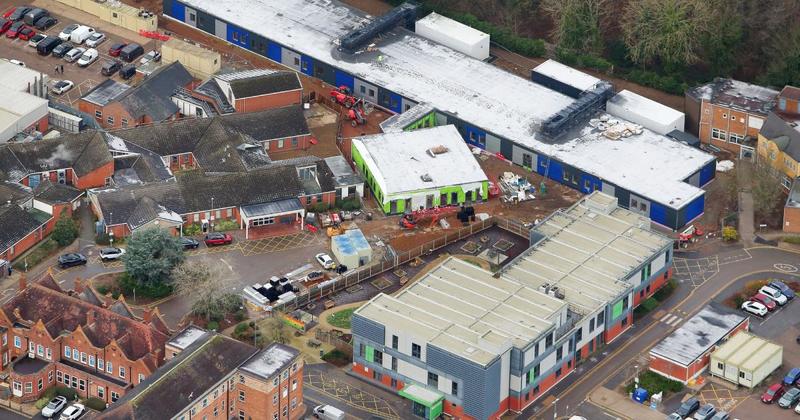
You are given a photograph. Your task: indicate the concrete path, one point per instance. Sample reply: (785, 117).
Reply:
(86, 235)
(746, 214)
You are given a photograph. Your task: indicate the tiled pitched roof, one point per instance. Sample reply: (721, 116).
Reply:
(785, 133)
(276, 123)
(153, 96)
(16, 224)
(14, 192)
(83, 152)
(61, 312)
(278, 81)
(54, 193)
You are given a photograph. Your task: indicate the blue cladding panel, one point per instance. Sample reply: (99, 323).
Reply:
(344, 79)
(273, 51)
(658, 214)
(694, 209)
(707, 173)
(237, 36)
(307, 65)
(368, 329)
(396, 103)
(556, 171)
(594, 183)
(178, 11)
(481, 386)
(474, 133)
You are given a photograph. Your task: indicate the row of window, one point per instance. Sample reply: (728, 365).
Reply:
(110, 119)
(85, 359)
(80, 384)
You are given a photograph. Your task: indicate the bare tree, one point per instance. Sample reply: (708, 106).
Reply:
(275, 331)
(577, 24)
(205, 286)
(767, 191)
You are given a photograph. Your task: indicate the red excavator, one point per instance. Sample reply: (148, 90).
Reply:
(411, 219)
(356, 114)
(342, 96)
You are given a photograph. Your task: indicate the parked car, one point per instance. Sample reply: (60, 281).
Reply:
(774, 294)
(783, 287)
(96, 39)
(19, 13)
(789, 398)
(325, 261)
(111, 254)
(217, 238)
(674, 416)
(772, 394)
(328, 412)
(110, 67)
(189, 243)
(8, 12)
(80, 34)
(67, 31)
(131, 52)
(48, 45)
(4, 25)
(764, 300)
(26, 33)
(127, 71)
(74, 54)
(13, 30)
(705, 412)
(45, 22)
(54, 406)
(721, 415)
(31, 16)
(754, 308)
(151, 56)
(90, 56)
(34, 42)
(17, 62)
(315, 276)
(115, 49)
(792, 377)
(71, 260)
(688, 407)
(62, 86)
(797, 409)
(73, 412)
(62, 49)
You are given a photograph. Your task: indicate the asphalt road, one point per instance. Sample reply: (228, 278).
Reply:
(696, 288)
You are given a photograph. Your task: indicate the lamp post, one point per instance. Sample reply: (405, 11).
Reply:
(110, 232)
(211, 219)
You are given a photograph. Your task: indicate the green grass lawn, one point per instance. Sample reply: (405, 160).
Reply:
(342, 318)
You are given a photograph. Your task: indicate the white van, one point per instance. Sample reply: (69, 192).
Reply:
(80, 34)
(328, 412)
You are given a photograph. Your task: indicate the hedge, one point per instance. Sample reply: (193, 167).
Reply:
(655, 383)
(95, 404)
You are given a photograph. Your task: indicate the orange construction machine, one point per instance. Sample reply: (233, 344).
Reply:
(411, 219)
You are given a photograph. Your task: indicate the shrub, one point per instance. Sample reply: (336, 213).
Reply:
(225, 224)
(240, 329)
(66, 230)
(150, 291)
(240, 315)
(791, 240)
(319, 208)
(66, 392)
(192, 230)
(95, 404)
(729, 234)
(349, 204)
(48, 395)
(665, 291)
(655, 383)
(213, 325)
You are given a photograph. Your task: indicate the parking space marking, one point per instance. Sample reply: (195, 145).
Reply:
(695, 271)
(349, 395)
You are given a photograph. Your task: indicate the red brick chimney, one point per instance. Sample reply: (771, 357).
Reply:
(78, 285)
(147, 315)
(23, 282)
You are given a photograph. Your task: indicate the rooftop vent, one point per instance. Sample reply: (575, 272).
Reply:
(426, 178)
(437, 150)
(470, 350)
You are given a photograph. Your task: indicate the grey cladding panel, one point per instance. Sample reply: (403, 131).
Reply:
(368, 329)
(481, 386)
(190, 18)
(492, 143)
(290, 58)
(221, 29)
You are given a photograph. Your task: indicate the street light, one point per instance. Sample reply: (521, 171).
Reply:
(211, 219)
(111, 232)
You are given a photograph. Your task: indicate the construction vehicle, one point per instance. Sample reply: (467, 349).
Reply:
(335, 230)
(410, 220)
(356, 114)
(342, 96)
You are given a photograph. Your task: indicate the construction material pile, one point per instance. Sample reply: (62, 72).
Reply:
(516, 188)
(615, 129)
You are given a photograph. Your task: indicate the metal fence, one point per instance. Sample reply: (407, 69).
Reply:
(370, 271)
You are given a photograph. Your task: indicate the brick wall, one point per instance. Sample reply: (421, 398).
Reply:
(288, 143)
(791, 219)
(96, 178)
(260, 399)
(270, 101)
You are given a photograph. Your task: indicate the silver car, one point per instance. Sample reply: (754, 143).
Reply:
(96, 39)
(74, 54)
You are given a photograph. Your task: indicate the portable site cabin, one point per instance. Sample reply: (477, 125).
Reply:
(454, 34)
(351, 248)
(746, 359)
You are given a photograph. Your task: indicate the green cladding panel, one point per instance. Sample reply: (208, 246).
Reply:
(616, 311)
(370, 356)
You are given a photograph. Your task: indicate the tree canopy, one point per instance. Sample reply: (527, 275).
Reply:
(151, 256)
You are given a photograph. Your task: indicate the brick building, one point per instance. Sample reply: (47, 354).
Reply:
(213, 376)
(251, 91)
(474, 345)
(791, 211)
(728, 114)
(115, 105)
(79, 339)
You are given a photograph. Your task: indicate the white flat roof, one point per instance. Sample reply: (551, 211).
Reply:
(567, 75)
(476, 92)
(453, 28)
(16, 77)
(638, 104)
(398, 160)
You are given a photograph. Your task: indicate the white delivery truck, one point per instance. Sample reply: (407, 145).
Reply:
(328, 412)
(80, 34)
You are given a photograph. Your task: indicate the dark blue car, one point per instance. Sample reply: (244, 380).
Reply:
(785, 290)
(792, 377)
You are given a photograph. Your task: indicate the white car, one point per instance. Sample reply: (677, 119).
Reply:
(62, 86)
(73, 412)
(774, 294)
(17, 62)
(754, 308)
(151, 56)
(325, 261)
(90, 56)
(66, 32)
(34, 42)
(96, 39)
(111, 254)
(54, 406)
(74, 54)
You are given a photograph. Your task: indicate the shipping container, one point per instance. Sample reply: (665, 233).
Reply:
(453, 34)
(645, 112)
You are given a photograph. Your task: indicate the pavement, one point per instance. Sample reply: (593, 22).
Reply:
(746, 214)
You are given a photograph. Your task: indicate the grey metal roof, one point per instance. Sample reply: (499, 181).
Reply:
(343, 174)
(265, 84)
(275, 207)
(684, 137)
(105, 92)
(153, 96)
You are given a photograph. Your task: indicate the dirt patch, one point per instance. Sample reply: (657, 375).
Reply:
(721, 202)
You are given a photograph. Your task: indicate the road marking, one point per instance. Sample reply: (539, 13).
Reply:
(676, 321)
(666, 315)
(786, 268)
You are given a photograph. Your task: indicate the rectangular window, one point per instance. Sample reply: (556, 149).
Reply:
(59, 376)
(40, 350)
(121, 372)
(241, 395)
(114, 396)
(5, 339)
(82, 385)
(83, 358)
(559, 353)
(76, 355)
(31, 346)
(100, 364)
(433, 379)
(98, 114)
(49, 354)
(454, 388)
(275, 399)
(536, 350)
(39, 384)
(579, 335)
(395, 342)
(28, 387)
(378, 357)
(109, 367)
(110, 120)
(416, 351)
(101, 392)
(558, 373)
(601, 317)
(141, 379)
(91, 360)
(591, 325)
(394, 364)
(548, 342)
(294, 142)
(124, 122)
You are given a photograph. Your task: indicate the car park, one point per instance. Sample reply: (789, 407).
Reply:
(764, 300)
(721, 415)
(62, 86)
(48, 45)
(189, 243)
(73, 412)
(754, 308)
(54, 406)
(792, 377)
(34, 42)
(67, 31)
(774, 294)
(115, 49)
(45, 22)
(110, 67)
(131, 52)
(4, 25)
(151, 56)
(772, 394)
(62, 49)
(13, 31)
(80, 34)
(33, 15)
(789, 398)
(216, 238)
(111, 253)
(26, 33)
(95, 39)
(74, 54)
(90, 56)
(705, 412)
(325, 261)
(19, 13)
(674, 416)
(71, 260)
(127, 71)
(783, 287)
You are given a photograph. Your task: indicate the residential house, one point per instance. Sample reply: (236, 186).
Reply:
(77, 339)
(779, 147)
(214, 376)
(149, 102)
(728, 114)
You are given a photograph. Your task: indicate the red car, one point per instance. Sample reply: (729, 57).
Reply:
(26, 33)
(9, 12)
(764, 300)
(116, 49)
(4, 25)
(772, 394)
(218, 239)
(14, 29)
